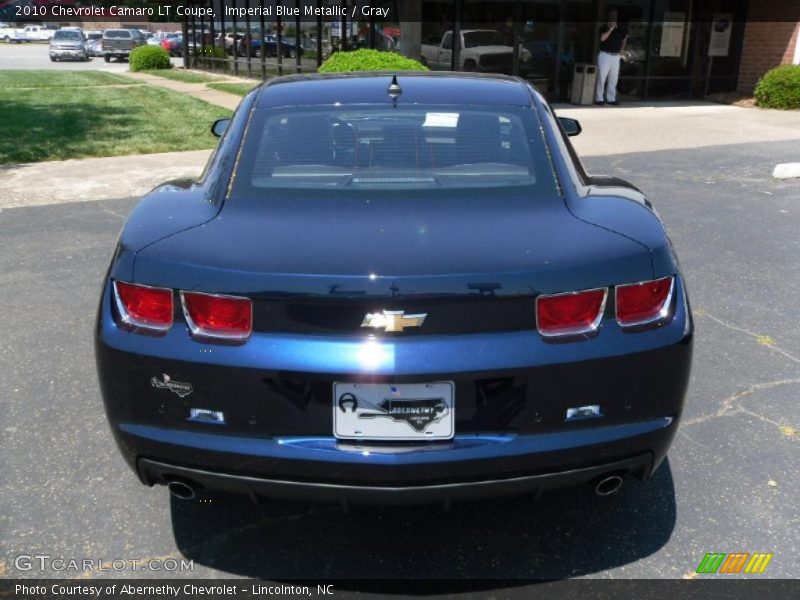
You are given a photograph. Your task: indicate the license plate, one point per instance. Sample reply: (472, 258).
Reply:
(383, 411)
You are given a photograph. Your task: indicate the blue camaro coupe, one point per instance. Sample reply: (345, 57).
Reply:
(393, 289)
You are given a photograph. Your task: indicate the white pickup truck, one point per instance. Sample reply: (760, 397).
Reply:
(38, 33)
(480, 50)
(10, 34)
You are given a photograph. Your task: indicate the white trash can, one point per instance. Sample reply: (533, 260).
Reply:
(584, 79)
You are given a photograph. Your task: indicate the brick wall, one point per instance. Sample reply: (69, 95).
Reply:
(768, 42)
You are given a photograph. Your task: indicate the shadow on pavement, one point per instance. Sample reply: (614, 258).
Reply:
(565, 533)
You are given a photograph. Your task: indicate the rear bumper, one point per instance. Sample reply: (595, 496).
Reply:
(512, 391)
(152, 472)
(326, 470)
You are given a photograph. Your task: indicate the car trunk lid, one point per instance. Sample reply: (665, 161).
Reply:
(320, 267)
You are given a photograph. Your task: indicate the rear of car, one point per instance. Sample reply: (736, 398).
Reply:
(69, 44)
(392, 301)
(118, 43)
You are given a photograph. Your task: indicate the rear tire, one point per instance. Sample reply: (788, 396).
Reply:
(106, 58)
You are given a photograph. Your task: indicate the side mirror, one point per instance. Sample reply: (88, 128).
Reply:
(571, 126)
(220, 125)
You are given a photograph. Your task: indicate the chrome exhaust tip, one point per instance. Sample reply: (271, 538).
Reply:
(181, 490)
(608, 485)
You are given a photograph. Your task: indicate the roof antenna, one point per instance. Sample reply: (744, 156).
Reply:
(394, 90)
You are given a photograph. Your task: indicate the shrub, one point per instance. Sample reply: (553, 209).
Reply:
(146, 58)
(779, 88)
(369, 60)
(213, 58)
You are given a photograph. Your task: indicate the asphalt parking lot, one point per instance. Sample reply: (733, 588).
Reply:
(35, 55)
(731, 482)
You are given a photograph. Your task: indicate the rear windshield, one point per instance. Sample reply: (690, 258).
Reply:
(424, 151)
(117, 34)
(67, 35)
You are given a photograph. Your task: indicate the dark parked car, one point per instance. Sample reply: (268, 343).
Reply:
(248, 46)
(431, 301)
(269, 47)
(118, 43)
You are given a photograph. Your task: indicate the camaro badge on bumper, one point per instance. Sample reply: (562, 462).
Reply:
(393, 320)
(182, 389)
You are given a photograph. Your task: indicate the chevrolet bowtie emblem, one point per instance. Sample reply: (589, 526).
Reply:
(392, 320)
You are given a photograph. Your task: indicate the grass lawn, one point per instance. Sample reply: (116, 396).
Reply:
(180, 75)
(80, 122)
(54, 79)
(240, 89)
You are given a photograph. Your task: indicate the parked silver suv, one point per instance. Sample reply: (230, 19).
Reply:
(68, 43)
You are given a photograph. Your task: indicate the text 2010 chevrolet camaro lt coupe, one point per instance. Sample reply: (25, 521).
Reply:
(393, 290)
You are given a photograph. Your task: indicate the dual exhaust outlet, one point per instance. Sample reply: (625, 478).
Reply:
(610, 484)
(605, 486)
(182, 490)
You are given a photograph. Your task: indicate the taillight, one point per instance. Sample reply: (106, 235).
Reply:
(645, 302)
(144, 306)
(571, 313)
(210, 315)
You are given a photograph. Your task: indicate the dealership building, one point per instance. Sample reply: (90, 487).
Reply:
(676, 49)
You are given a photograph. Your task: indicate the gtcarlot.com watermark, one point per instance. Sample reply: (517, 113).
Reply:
(58, 564)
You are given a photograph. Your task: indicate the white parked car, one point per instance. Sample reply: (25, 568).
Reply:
(158, 37)
(38, 33)
(94, 42)
(10, 34)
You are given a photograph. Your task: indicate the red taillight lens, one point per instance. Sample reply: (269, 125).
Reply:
(571, 313)
(144, 306)
(215, 316)
(644, 302)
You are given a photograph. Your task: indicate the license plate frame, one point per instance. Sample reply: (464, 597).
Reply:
(394, 411)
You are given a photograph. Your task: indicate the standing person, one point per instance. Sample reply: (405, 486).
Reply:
(612, 42)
